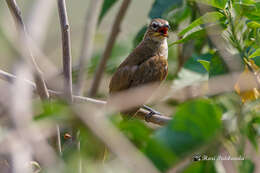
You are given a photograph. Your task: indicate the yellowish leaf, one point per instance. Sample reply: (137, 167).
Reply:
(248, 82)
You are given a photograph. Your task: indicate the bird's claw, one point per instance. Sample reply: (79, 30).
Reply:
(151, 110)
(149, 115)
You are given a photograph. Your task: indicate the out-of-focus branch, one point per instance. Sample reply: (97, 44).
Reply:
(66, 50)
(40, 84)
(87, 42)
(21, 115)
(38, 20)
(215, 36)
(109, 46)
(156, 119)
(54, 94)
(133, 159)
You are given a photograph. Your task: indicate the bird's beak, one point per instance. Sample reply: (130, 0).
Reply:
(163, 31)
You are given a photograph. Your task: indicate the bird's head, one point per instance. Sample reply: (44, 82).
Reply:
(158, 30)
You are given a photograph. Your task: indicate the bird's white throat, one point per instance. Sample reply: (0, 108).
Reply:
(163, 50)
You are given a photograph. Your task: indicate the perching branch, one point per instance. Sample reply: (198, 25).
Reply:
(87, 42)
(156, 119)
(40, 84)
(109, 46)
(66, 50)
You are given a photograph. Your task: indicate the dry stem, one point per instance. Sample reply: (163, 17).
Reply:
(109, 46)
(66, 50)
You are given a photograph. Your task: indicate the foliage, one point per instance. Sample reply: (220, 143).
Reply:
(107, 4)
(227, 118)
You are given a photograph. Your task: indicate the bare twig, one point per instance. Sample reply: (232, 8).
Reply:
(58, 139)
(87, 42)
(66, 49)
(55, 94)
(109, 46)
(40, 84)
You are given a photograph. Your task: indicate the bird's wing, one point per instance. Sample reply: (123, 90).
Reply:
(152, 70)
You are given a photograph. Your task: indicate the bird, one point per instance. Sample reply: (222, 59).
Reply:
(146, 64)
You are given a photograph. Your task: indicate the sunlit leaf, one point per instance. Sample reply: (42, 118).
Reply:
(256, 53)
(194, 35)
(215, 3)
(253, 24)
(210, 17)
(206, 64)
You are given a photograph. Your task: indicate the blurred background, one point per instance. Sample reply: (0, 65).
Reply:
(209, 103)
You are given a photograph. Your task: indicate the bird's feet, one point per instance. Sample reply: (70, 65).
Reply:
(151, 113)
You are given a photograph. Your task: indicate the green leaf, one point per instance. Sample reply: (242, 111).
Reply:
(136, 131)
(194, 63)
(139, 36)
(253, 24)
(256, 53)
(206, 64)
(107, 4)
(247, 166)
(215, 3)
(217, 66)
(200, 167)
(55, 110)
(177, 15)
(161, 6)
(195, 123)
(210, 17)
(194, 35)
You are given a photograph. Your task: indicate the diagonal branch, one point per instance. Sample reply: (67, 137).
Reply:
(87, 42)
(109, 46)
(141, 114)
(66, 50)
(38, 77)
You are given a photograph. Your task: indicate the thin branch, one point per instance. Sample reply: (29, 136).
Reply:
(53, 94)
(109, 46)
(66, 49)
(58, 139)
(40, 84)
(87, 42)
(156, 119)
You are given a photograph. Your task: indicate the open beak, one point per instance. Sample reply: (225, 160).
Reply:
(163, 31)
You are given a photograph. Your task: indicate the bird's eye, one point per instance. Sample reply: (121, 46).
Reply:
(154, 25)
